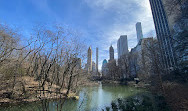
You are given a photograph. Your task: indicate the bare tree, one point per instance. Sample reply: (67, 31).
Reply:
(151, 53)
(51, 57)
(112, 70)
(123, 64)
(174, 7)
(178, 10)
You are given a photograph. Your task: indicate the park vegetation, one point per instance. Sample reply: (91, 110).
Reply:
(147, 64)
(45, 65)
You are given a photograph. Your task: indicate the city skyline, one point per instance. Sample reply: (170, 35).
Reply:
(94, 55)
(119, 17)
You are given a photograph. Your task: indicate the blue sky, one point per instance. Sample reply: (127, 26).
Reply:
(100, 22)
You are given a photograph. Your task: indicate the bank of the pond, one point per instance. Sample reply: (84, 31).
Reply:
(97, 96)
(33, 93)
(90, 98)
(7, 101)
(127, 83)
(173, 93)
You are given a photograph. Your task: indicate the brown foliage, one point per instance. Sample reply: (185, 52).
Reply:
(176, 96)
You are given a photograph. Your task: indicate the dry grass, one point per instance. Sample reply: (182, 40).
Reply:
(32, 91)
(176, 96)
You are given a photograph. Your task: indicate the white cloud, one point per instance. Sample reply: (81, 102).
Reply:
(128, 13)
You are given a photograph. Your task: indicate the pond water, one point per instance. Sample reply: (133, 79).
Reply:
(93, 98)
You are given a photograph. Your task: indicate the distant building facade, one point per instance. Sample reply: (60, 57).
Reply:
(135, 57)
(111, 51)
(93, 66)
(140, 61)
(122, 46)
(139, 31)
(104, 68)
(97, 55)
(163, 33)
(89, 60)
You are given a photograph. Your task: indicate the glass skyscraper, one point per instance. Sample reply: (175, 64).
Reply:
(163, 33)
(122, 46)
(139, 31)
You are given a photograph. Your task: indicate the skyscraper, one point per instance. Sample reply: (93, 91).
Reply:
(122, 46)
(97, 60)
(111, 50)
(163, 33)
(139, 31)
(104, 67)
(89, 60)
(93, 66)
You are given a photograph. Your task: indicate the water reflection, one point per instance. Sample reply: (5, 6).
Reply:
(90, 99)
(102, 96)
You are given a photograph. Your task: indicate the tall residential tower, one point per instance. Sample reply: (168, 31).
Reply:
(89, 60)
(122, 46)
(111, 50)
(139, 31)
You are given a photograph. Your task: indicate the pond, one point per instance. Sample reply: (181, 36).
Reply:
(94, 98)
